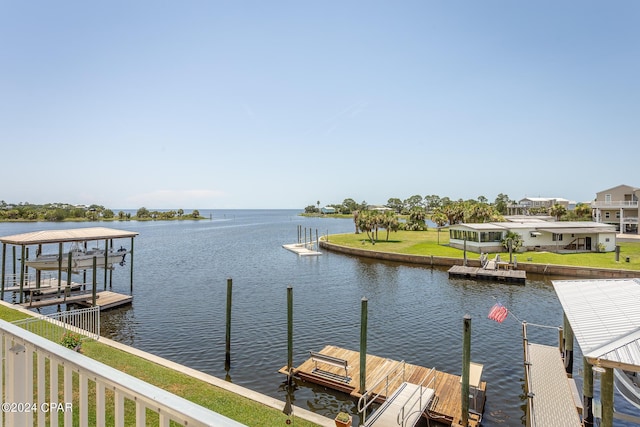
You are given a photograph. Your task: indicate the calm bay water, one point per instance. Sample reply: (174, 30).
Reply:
(415, 313)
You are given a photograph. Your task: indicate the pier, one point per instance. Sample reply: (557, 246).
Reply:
(479, 273)
(340, 370)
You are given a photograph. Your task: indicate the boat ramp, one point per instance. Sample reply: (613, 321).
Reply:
(399, 387)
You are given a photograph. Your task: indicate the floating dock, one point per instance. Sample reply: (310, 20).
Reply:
(302, 249)
(479, 273)
(445, 406)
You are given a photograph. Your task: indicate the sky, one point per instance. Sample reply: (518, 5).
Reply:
(283, 104)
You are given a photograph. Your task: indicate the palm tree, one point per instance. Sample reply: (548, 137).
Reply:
(557, 211)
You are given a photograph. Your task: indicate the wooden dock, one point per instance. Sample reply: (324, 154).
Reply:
(446, 406)
(104, 299)
(478, 273)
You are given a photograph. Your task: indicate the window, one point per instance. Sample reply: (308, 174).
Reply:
(491, 236)
(607, 215)
(557, 237)
(607, 198)
(618, 215)
(606, 240)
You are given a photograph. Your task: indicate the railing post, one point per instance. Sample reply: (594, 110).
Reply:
(16, 381)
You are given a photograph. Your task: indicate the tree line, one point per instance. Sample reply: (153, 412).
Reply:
(443, 210)
(56, 212)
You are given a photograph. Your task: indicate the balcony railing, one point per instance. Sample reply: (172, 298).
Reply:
(615, 204)
(43, 381)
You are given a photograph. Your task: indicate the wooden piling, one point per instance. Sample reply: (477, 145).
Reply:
(95, 281)
(4, 257)
(568, 347)
(466, 368)
(131, 268)
(21, 275)
(289, 334)
(227, 347)
(363, 345)
(587, 393)
(606, 394)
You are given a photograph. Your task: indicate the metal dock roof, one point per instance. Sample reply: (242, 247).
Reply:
(605, 319)
(69, 235)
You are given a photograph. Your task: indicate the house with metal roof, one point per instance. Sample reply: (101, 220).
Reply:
(536, 234)
(618, 206)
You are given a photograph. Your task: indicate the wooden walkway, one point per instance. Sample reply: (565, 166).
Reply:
(446, 406)
(104, 299)
(478, 273)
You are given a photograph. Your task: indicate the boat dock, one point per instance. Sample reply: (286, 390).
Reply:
(52, 296)
(339, 369)
(302, 249)
(479, 273)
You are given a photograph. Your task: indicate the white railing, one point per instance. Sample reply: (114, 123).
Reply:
(422, 389)
(12, 281)
(84, 321)
(30, 361)
(615, 204)
(393, 375)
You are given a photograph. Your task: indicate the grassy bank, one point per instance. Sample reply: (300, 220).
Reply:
(219, 400)
(429, 243)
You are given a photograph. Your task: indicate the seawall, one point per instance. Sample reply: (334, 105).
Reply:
(430, 260)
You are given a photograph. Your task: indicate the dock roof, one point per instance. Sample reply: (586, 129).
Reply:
(69, 235)
(605, 319)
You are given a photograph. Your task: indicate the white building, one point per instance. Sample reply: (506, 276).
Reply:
(537, 234)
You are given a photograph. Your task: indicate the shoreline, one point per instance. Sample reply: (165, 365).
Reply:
(431, 260)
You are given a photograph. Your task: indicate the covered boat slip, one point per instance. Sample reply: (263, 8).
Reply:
(603, 316)
(65, 262)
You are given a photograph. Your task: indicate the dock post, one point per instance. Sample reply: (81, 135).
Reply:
(587, 394)
(227, 347)
(21, 275)
(289, 334)
(95, 282)
(466, 368)
(464, 259)
(131, 269)
(106, 257)
(4, 258)
(606, 394)
(568, 347)
(69, 261)
(59, 269)
(363, 345)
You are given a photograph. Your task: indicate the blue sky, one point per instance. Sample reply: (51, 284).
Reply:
(273, 104)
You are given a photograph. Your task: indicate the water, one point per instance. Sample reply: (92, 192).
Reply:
(415, 313)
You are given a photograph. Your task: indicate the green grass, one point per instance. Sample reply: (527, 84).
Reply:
(427, 243)
(229, 404)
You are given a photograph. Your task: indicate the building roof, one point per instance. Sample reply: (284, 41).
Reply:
(605, 319)
(547, 226)
(70, 235)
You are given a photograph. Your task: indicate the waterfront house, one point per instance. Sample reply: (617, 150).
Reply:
(618, 206)
(526, 205)
(328, 210)
(537, 234)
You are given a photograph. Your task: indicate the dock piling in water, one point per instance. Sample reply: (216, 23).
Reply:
(289, 334)
(363, 345)
(227, 347)
(466, 368)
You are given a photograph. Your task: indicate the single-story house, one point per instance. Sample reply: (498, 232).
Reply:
(328, 210)
(553, 236)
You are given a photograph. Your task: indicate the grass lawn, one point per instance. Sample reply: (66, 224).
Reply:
(229, 404)
(429, 243)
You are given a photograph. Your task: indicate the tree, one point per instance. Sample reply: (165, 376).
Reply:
(414, 202)
(501, 203)
(482, 199)
(311, 209)
(107, 214)
(432, 202)
(514, 238)
(195, 213)
(557, 211)
(583, 211)
(349, 205)
(143, 213)
(396, 204)
(417, 217)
